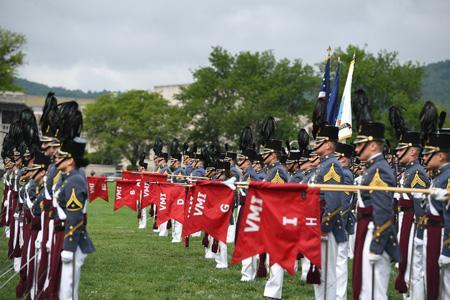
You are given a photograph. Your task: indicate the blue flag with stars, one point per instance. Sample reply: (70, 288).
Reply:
(325, 86)
(332, 106)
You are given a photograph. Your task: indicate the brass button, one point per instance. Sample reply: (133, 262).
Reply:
(70, 239)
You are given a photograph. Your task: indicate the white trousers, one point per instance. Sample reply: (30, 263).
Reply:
(208, 252)
(143, 220)
(305, 268)
(445, 282)
(274, 285)
(381, 271)
(70, 276)
(177, 229)
(415, 280)
(342, 271)
(163, 229)
(249, 267)
(327, 285)
(221, 256)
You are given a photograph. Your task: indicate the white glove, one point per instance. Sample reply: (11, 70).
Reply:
(324, 237)
(419, 196)
(230, 183)
(38, 241)
(439, 194)
(66, 256)
(397, 196)
(418, 242)
(444, 260)
(373, 258)
(48, 245)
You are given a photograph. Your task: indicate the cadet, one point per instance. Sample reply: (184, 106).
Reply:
(437, 220)
(245, 162)
(258, 165)
(375, 241)
(344, 154)
(175, 165)
(293, 166)
(72, 200)
(410, 279)
(329, 171)
(276, 174)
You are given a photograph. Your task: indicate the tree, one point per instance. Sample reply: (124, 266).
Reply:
(241, 89)
(11, 57)
(125, 125)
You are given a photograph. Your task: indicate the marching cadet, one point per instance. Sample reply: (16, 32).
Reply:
(276, 173)
(293, 166)
(72, 200)
(437, 218)
(198, 165)
(175, 166)
(329, 171)
(410, 281)
(165, 170)
(375, 241)
(308, 164)
(258, 166)
(245, 162)
(223, 173)
(344, 154)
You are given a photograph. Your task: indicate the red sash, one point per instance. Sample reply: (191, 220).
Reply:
(364, 217)
(434, 235)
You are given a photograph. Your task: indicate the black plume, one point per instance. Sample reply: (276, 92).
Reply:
(49, 115)
(428, 120)
(319, 115)
(226, 147)
(194, 149)
(30, 132)
(397, 121)
(185, 147)
(442, 117)
(205, 154)
(174, 146)
(267, 130)
(288, 146)
(70, 121)
(142, 159)
(246, 138)
(158, 146)
(214, 151)
(303, 141)
(362, 112)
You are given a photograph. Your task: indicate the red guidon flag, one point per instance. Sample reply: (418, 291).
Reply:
(128, 193)
(281, 220)
(176, 195)
(98, 188)
(149, 179)
(209, 209)
(131, 175)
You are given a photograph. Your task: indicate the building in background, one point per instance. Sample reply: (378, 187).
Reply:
(169, 92)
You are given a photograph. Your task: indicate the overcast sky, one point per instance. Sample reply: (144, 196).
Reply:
(120, 45)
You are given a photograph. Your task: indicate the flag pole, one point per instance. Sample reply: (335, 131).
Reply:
(354, 188)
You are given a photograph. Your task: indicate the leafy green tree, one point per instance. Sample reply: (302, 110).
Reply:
(11, 57)
(241, 89)
(125, 125)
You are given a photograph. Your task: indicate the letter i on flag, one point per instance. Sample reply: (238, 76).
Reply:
(344, 117)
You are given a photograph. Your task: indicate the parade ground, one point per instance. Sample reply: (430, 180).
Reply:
(132, 263)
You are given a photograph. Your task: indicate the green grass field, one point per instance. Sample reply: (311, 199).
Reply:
(137, 264)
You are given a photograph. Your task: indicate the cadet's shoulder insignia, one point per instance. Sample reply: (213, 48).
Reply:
(179, 176)
(41, 205)
(331, 174)
(448, 185)
(377, 181)
(417, 180)
(165, 172)
(277, 178)
(73, 204)
(56, 178)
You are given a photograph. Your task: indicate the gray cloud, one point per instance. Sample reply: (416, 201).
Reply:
(95, 44)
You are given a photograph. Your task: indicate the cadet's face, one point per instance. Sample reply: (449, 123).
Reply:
(435, 162)
(257, 167)
(362, 156)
